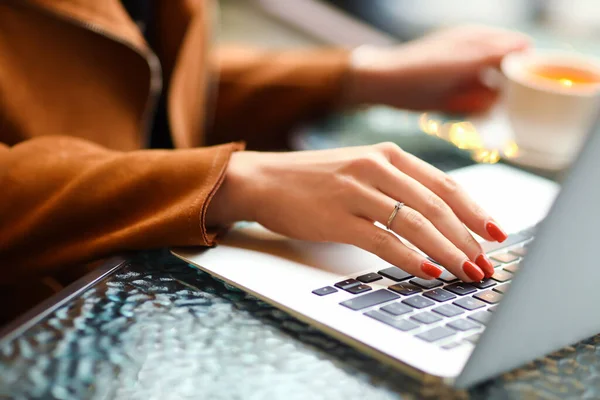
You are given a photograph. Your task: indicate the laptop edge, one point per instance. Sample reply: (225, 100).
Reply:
(554, 297)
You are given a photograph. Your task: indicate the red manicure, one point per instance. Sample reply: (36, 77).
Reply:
(485, 264)
(430, 269)
(473, 271)
(495, 231)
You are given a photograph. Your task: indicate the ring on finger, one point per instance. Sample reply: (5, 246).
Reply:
(397, 208)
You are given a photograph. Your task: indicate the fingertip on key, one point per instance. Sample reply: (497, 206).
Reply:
(473, 271)
(431, 270)
(485, 264)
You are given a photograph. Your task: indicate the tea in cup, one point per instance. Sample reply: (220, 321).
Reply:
(551, 99)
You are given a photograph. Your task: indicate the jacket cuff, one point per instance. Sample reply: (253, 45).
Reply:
(215, 178)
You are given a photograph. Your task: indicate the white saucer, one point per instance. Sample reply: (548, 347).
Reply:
(540, 161)
(495, 131)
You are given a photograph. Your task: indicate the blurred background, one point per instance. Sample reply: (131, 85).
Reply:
(350, 23)
(558, 24)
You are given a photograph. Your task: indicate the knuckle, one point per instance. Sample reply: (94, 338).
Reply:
(380, 241)
(447, 185)
(436, 207)
(470, 242)
(450, 254)
(479, 213)
(368, 162)
(388, 148)
(414, 221)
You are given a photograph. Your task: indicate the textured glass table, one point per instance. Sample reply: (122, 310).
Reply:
(156, 328)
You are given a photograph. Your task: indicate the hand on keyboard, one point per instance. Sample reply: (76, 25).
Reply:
(336, 195)
(443, 311)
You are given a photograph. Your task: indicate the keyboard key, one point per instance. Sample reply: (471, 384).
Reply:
(482, 317)
(463, 325)
(513, 268)
(439, 295)
(368, 278)
(492, 309)
(486, 283)
(451, 345)
(448, 310)
(397, 309)
(370, 299)
(426, 284)
(447, 277)
(400, 324)
(348, 283)
(395, 274)
(489, 296)
(502, 288)
(511, 240)
(435, 334)
(426, 317)
(418, 302)
(405, 289)
(473, 338)
(501, 275)
(469, 303)
(496, 264)
(324, 291)
(505, 257)
(461, 288)
(359, 289)
(520, 251)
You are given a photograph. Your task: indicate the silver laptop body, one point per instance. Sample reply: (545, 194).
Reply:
(551, 302)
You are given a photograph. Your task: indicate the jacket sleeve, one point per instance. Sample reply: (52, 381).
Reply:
(262, 93)
(67, 201)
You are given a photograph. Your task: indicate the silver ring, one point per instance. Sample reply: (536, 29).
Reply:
(397, 208)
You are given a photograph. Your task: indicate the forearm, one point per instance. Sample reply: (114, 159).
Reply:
(263, 94)
(67, 201)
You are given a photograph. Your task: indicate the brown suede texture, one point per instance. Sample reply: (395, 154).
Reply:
(74, 85)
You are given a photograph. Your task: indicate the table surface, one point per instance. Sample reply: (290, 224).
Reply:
(158, 328)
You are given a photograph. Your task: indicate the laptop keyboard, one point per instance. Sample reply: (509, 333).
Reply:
(443, 311)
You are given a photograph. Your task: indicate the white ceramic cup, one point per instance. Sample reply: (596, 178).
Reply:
(549, 119)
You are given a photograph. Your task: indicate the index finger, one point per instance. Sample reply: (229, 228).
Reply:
(469, 212)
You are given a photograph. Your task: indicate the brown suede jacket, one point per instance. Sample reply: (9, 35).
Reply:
(78, 85)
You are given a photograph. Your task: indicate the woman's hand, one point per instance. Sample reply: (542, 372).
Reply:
(336, 195)
(440, 71)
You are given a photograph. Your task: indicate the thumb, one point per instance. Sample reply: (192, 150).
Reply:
(501, 45)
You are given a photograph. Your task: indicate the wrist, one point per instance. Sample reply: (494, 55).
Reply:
(232, 201)
(364, 75)
(380, 75)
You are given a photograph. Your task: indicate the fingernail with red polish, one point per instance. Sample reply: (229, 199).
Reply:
(485, 264)
(473, 271)
(431, 269)
(495, 231)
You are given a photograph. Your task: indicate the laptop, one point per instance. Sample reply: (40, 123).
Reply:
(543, 296)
